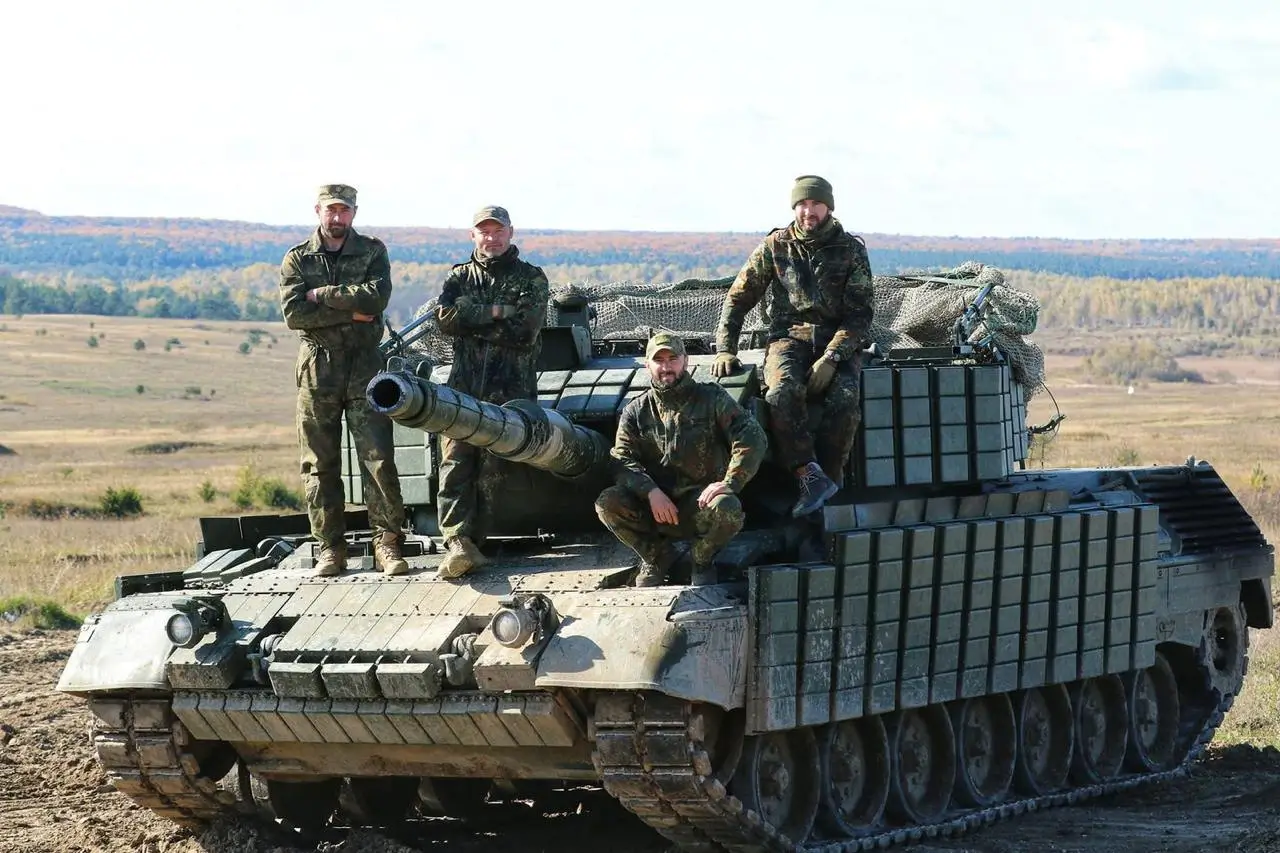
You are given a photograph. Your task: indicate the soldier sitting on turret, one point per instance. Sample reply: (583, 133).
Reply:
(816, 282)
(684, 450)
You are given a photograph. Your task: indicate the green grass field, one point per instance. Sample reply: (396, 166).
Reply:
(189, 423)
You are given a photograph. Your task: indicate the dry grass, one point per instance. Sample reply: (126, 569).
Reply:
(71, 415)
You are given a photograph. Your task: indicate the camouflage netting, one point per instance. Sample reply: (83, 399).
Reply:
(911, 310)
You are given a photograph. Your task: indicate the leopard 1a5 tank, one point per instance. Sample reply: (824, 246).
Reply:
(952, 640)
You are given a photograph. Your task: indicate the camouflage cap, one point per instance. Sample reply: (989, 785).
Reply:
(497, 214)
(664, 340)
(336, 193)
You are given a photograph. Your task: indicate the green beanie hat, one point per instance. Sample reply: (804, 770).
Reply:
(811, 186)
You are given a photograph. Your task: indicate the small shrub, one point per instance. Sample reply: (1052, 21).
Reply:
(1125, 457)
(1259, 479)
(90, 324)
(274, 493)
(139, 344)
(141, 389)
(207, 492)
(121, 502)
(28, 612)
(41, 332)
(246, 488)
(244, 348)
(192, 390)
(173, 342)
(92, 342)
(168, 347)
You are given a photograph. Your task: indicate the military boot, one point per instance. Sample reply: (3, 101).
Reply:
(650, 575)
(386, 553)
(815, 488)
(331, 560)
(463, 557)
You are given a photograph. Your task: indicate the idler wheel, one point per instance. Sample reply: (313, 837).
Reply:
(985, 752)
(923, 748)
(1151, 696)
(778, 778)
(1101, 726)
(383, 800)
(854, 757)
(306, 806)
(1045, 735)
(1225, 649)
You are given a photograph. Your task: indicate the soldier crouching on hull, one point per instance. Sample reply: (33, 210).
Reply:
(333, 290)
(494, 307)
(684, 450)
(816, 280)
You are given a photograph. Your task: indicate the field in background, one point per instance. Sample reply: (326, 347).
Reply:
(220, 399)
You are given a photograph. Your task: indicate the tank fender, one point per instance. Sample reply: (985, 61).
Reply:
(1255, 593)
(689, 643)
(123, 648)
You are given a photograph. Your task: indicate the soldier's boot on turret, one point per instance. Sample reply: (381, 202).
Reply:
(462, 558)
(387, 554)
(331, 560)
(815, 488)
(655, 573)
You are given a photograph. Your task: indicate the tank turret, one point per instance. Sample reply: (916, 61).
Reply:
(518, 431)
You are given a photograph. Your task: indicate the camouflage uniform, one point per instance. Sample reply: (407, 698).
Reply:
(681, 439)
(337, 359)
(493, 360)
(818, 298)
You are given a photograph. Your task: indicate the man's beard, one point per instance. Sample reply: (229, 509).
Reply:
(668, 380)
(334, 231)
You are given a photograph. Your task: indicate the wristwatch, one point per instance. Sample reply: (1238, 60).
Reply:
(834, 355)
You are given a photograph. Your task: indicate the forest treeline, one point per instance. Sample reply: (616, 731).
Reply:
(1234, 312)
(135, 249)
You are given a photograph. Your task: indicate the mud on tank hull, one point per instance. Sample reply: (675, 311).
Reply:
(1101, 617)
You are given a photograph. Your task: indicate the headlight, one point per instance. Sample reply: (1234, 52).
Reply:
(513, 628)
(195, 618)
(181, 631)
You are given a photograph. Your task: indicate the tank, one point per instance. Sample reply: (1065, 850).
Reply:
(954, 639)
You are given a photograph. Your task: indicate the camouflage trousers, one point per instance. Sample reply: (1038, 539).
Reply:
(470, 480)
(320, 438)
(630, 519)
(786, 373)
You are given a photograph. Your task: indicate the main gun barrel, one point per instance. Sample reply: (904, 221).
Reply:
(519, 431)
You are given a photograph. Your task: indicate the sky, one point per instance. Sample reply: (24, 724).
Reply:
(978, 118)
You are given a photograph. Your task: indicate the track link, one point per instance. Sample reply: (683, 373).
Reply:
(650, 754)
(151, 757)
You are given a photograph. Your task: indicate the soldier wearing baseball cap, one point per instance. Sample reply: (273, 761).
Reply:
(333, 290)
(819, 321)
(493, 306)
(684, 451)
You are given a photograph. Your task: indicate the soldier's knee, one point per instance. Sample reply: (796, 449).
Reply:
(786, 394)
(725, 513)
(611, 503)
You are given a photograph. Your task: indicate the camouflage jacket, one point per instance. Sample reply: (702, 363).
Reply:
(682, 439)
(358, 281)
(493, 358)
(824, 281)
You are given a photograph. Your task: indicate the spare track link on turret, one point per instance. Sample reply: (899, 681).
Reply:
(650, 755)
(147, 754)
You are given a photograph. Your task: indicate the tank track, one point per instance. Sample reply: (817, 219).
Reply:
(147, 754)
(651, 757)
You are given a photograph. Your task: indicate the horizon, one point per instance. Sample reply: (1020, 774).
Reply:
(1141, 122)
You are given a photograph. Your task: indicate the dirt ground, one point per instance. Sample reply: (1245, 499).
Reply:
(54, 798)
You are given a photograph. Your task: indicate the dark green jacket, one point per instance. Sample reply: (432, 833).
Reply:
(337, 353)
(493, 358)
(824, 281)
(684, 438)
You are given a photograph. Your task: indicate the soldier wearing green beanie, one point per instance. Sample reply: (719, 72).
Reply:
(815, 279)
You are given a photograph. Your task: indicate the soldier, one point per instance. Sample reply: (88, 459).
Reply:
(684, 451)
(333, 290)
(494, 306)
(816, 280)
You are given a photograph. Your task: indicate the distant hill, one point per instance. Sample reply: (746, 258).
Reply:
(127, 249)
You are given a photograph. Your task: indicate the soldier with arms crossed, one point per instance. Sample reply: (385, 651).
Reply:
(494, 307)
(333, 290)
(816, 282)
(684, 451)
